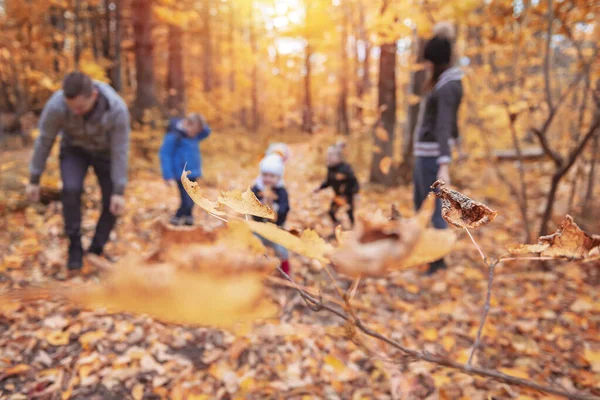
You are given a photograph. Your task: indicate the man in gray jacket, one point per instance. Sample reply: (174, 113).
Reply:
(94, 122)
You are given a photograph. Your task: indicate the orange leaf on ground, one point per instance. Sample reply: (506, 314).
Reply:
(462, 211)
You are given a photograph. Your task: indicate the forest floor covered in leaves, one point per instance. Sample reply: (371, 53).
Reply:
(544, 322)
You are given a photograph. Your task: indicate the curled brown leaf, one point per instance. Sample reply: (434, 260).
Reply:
(460, 210)
(569, 242)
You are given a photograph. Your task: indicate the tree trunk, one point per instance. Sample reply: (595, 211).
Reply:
(93, 22)
(343, 125)
(384, 146)
(144, 62)
(115, 73)
(307, 114)
(175, 77)
(363, 83)
(77, 34)
(231, 48)
(589, 194)
(254, 74)
(58, 23)
(415, 88)
(207, 46)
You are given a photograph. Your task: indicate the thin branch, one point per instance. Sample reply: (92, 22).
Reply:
(579, 148)
(546, 147)
(486, 310)
(475, 243)
(547, 57)
(431, 358)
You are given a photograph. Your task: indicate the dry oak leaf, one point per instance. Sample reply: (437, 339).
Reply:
(460, 210)
(193, 190)
(246, 203)
(378, 245)
(569, 241)
(385, 165)
(310, 244)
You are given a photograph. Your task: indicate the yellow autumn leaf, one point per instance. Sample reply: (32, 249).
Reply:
(593, 357)
(193, 190)
(310, 244)
(385, 165)
(430, 334)
(89, 338)
(175, 294)
(381, 133)
(335, 363)
(138, 392)
(246, 203)
(58, 338)
(238, 236)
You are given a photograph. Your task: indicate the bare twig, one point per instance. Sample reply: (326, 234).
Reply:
(548, 54)
(486, 310)
(435, 359)
(475, 243)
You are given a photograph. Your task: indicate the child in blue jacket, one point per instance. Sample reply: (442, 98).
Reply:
(270, 190)
(181, 149)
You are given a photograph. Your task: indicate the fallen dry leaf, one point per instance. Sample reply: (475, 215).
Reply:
(246, 203)
(310, 244)
(378, 245)
(460, 210)
(193, 190)
(569, 241)
(385, 165)
(381, 133)
(15, 370)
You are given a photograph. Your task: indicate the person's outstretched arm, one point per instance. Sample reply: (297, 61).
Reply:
(49, 125)
(166, 153)
(119, 151)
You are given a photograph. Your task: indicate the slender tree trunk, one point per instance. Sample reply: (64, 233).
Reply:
(115, 75)
(254, 74)
(78, 33)
(308, 111)
(343, 118)
(144, 59)
(589, 194)
(416, 88)
(58, 23)
(175, 77)
(207, 46)
(362, 44)
(93, 23)
(384, 147)
(232, 58)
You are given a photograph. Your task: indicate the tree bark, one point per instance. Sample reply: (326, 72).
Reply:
(175, 73)
(77, 33)
(93, 22)
(254, 74)
(343, 125)
(207, 46)
(415, 88)
(115, 73)
(363, 78)
(307, 114)
(387, 106)
(144, 58)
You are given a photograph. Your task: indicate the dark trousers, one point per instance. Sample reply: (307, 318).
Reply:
(187, 204)
(335, 207)
(424, 175)
(74, 164)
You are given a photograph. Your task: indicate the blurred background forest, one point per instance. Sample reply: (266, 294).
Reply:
(309, 73)
(260, 68)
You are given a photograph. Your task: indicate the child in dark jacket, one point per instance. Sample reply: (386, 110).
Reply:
(341, 178)
(180, 149)
(270, 190)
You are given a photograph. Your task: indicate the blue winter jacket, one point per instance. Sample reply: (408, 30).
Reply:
(178, 149)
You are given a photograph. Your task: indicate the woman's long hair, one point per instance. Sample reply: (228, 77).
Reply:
(434, 77)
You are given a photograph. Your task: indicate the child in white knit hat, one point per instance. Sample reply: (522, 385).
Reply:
(270, 190)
